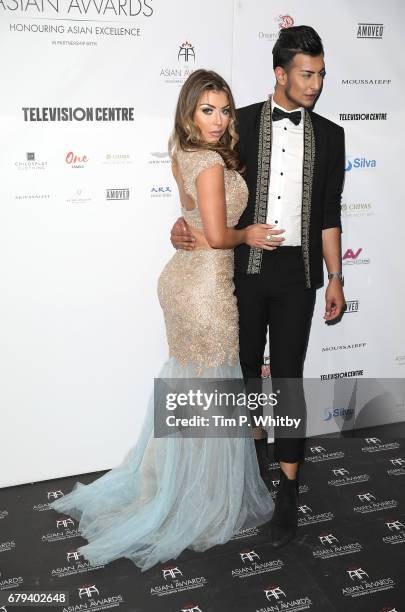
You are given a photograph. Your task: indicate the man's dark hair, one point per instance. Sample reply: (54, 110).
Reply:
(297, 39)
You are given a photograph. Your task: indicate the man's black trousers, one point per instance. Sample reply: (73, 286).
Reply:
(278, 299)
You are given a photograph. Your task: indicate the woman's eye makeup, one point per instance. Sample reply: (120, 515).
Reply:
(208, 110)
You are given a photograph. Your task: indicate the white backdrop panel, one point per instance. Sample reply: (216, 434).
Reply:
(82, 333)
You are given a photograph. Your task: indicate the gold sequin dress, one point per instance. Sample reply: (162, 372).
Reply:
(196, 289)
(172, 493)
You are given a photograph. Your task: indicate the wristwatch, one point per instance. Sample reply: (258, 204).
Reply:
(335, 275)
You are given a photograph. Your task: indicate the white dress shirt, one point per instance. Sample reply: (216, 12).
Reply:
(285, 189)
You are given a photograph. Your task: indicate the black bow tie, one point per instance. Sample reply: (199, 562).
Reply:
(278, 114)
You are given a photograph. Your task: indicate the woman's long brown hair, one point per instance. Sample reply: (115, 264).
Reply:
(186, 133)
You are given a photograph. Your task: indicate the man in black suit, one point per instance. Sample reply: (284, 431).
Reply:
(294, 162)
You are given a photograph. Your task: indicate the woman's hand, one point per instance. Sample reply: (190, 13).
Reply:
(263, 236)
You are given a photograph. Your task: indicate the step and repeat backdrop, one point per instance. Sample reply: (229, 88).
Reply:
(87, 201)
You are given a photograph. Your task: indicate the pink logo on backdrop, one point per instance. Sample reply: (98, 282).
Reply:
(350, 254)
(285, 21)
(71, 158)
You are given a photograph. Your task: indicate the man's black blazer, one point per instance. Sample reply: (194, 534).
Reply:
(323, 176)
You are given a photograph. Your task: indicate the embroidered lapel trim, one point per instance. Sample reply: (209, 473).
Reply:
(307, 181)
(262, 184)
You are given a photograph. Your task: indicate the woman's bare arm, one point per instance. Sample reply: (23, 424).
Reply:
(211, 202)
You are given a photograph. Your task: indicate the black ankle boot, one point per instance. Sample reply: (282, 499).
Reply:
(284, 522)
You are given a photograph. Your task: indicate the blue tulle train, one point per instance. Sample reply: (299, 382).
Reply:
(170, 493)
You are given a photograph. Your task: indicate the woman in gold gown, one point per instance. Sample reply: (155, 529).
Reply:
(176, 492)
